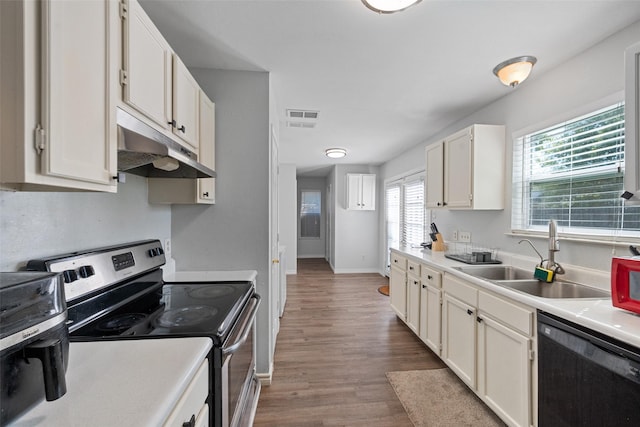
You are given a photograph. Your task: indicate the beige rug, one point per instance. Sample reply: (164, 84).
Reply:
(437, 397)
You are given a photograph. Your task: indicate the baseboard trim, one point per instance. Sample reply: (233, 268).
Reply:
(355, 270)
(265, 377)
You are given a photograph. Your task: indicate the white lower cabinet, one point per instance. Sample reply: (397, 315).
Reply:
(413, 303)
(488, 342)
(459, 338)
(506, 358)
(430, 308)
(398, 291)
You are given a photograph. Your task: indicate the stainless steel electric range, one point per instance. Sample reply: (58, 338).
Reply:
(118, 292)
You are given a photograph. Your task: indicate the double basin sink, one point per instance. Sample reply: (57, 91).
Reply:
(522, 280)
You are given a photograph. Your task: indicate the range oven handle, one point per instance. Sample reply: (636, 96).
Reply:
(246, 326)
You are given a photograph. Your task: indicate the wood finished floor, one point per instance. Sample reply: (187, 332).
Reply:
(338, 337)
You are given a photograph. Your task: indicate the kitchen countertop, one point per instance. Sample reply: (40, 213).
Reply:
(597, 314)
(210, 276)
(118, 383)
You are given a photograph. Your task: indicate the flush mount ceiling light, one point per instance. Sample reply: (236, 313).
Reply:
(335, 153)
(514, 71)
(389, 6)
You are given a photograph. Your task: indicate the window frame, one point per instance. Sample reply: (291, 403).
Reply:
(400, 182)
(321, 215)
(592, 235)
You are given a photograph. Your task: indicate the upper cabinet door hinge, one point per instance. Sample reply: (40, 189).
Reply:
(123, 77)
(40, 139)
(532, 355)
(123, 10)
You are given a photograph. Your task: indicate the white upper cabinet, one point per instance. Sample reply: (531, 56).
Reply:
(59, 91)
(147, 85)
(361, 192)
(435, 175)
(185, 104)
(467, 169)
(189, 191)
(156, 84)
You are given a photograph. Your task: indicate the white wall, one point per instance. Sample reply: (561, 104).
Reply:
(233, 234)
(573, 88)
(40, 224)
(355, 236)
(289, 215)
(309, 247)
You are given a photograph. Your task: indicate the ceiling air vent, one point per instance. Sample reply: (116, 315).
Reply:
(305, 119)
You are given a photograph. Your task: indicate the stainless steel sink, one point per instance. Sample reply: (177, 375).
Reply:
(497, 272)
(522, 280)
(557, 289)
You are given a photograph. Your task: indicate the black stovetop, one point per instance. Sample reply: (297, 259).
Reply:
(147, 306)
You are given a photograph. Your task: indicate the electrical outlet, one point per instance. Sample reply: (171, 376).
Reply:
(455, 235)
(167, 248)
(465, 236)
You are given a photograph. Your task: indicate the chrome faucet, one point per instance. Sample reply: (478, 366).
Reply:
(554, 246)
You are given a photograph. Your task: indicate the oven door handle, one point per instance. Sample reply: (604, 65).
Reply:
(246, 326)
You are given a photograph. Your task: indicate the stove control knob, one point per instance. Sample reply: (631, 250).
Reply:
(160, 251)
(69, 276)
(155, 252)
(86, 271)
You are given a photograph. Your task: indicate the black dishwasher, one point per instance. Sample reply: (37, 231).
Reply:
(585, 378)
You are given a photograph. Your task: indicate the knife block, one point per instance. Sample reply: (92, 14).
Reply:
(438, 244)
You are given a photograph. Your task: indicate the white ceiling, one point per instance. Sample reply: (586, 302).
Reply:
(382, 83)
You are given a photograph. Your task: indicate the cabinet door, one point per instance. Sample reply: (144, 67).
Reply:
(354, 191)
(435, 175)
(430, 317)
(458, 170)
(398, 292)
(147, 63)
(504, 371)
(413, 303)
(185, 104)
(368, 193)
(459, 338)
(79, 90)
(207, 139)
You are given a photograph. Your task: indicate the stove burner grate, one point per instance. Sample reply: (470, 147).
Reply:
(185, 316)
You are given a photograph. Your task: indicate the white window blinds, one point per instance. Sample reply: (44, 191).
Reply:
(413, 212)
(405, 212)
(573, 172)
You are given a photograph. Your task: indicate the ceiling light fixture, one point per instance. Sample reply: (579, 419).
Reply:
(389, 6)
(335, 153)
(514, 71)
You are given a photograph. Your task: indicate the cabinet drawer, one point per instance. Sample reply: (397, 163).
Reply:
(431, 277)
(398, 261)
(413, 268)
(519, 318)
(461, 290)
(193, 399)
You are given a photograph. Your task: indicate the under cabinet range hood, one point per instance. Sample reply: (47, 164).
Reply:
(144, 151)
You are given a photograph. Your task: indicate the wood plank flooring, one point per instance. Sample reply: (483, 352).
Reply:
(338, 337)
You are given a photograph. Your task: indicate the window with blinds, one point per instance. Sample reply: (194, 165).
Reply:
(404, 212)
(573, 172)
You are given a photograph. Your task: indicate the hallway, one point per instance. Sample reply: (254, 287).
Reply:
(338, 337)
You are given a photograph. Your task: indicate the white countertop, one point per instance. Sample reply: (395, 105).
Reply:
(597, 314)
(211, 276)
(122, 383)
